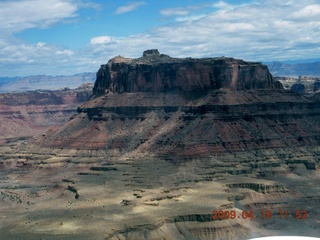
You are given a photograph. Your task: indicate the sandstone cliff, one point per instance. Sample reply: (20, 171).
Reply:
(155, 72)
(187, 108)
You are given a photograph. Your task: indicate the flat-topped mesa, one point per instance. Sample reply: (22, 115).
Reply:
(155, 72)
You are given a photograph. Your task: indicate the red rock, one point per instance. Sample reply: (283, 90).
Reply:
(155, 72)
(236, 110)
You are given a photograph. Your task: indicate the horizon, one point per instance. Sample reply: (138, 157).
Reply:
(66, 37)
(289, 62)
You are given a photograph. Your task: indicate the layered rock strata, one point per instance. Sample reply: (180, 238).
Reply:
(155, 72)
(187, 108)
(29, 113)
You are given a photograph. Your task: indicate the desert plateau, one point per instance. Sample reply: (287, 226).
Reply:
(162, 148)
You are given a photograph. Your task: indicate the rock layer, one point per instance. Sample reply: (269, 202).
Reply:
(155, 72)
(183, 126)
(240, 109)
(29, 113)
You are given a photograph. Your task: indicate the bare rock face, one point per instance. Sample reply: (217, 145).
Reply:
(186, 108)
(155, 72)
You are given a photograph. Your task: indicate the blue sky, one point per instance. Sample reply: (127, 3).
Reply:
(64, 37)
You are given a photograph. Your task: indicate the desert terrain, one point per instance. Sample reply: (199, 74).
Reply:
(81, 195)
(165, 149)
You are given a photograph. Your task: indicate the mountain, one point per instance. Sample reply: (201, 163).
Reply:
(156, 92)
(7, 80)
(169, 148)
(31, 83)
(173, 90)
(283, 69)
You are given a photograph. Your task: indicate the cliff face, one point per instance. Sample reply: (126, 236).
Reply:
(187, 126)
(155, 72)
(187, 108)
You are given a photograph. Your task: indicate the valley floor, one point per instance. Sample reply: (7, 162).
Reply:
(72, 194)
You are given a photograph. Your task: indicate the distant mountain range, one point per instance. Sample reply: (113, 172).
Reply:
(295, 68)
(292, 68)
(44, 82)
(6, 80)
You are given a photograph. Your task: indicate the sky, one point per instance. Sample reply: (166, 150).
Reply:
(65, 37)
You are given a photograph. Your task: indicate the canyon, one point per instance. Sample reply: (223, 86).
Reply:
(31, 113)
(305, 85)
(164, 148)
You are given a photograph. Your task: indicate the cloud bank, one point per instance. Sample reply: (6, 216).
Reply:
(16, 16)
(258, 31)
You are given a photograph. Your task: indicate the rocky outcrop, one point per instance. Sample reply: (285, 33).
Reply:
(29, 113)
(155, 72)
(303, 84)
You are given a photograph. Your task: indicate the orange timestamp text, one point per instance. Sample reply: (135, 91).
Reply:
(263, 214)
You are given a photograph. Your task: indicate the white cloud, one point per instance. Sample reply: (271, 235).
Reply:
(130, 7)
(174, 11)
(101, 40)
(310, 11)
(64, 52)
(222, 5)
(181, 11)
(16, 15)
(261, 31)
(93, 5)
(190, 18)
(20, 58)
(40, 44)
